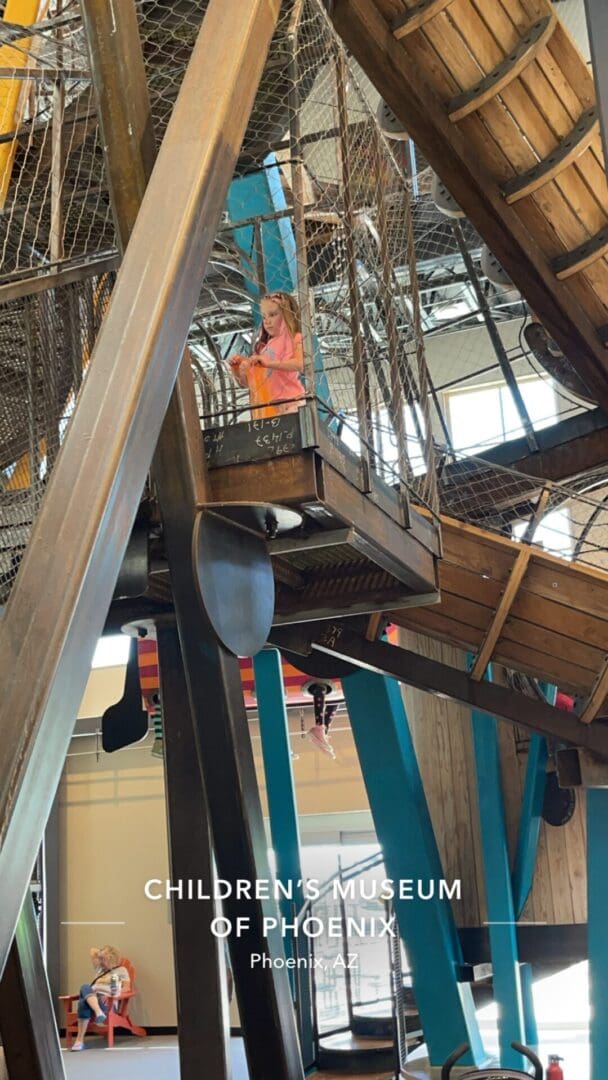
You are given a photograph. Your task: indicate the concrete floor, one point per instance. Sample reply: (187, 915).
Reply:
(156, 1058)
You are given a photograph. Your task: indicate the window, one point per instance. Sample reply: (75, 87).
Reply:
(484, 416)
(112, 651)
(554, 533)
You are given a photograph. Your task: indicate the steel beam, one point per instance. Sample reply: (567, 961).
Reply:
(405, 831)
(597, 941)
(597, 25)
(204, 1030)
(437, 678)
(283, 812)
(27, 1020)
(58, 603)
(121, 89)
(499, 897)
(225, 755)
(531, 815)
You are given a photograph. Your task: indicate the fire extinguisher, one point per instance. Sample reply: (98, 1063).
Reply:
(555, 1071)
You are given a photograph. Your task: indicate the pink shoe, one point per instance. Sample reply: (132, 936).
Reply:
(318, 736)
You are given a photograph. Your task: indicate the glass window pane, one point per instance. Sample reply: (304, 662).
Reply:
(475, 419)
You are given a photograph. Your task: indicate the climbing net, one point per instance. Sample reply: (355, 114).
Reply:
(567, 520)
(54, 205)
(320, 208)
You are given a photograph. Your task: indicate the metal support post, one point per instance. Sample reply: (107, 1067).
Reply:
(203, 1031)
(27, 1022)
(283, 812)
(527, 996)
(495, 338)
(597, 25)
(361, 374)
(597, 885)
(405, 831)
(501, 914)
(531, 814)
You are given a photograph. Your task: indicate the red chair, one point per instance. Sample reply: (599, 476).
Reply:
(118, 1016)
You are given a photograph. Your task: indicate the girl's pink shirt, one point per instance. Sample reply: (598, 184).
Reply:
(283, 384)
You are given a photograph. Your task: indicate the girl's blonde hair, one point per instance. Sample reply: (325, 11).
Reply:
(290, 311)
(109, 956)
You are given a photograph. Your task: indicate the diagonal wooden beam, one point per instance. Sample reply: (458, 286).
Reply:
(510, 592)
(60, 598)
(500, 615)
(365, 27)
(423, 673)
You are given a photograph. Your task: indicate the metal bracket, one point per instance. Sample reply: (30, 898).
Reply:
(505, 72)
(571, 147)
(418, 16)
(573, 262)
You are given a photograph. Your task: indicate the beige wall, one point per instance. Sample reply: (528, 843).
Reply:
(113, 839)
(113, 831)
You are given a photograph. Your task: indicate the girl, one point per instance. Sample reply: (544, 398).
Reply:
(95, 997)
(271, 372)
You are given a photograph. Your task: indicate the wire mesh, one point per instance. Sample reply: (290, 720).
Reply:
(562, 519)
(46, 342)
(54, 205)
(328, 220)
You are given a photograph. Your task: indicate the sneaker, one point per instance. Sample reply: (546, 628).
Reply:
(101, 1019)
(318, 736)
(77, 1046)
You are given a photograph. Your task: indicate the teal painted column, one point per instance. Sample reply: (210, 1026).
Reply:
(597, 938)
(256, 195)
(405, 831)
(499, 895)
(283, 813)
(527, 986)
(531, 813)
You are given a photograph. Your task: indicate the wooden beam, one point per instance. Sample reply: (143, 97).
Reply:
(437, 678)
(402, 83)
(500, 616)
(59, 600)
(597, 696)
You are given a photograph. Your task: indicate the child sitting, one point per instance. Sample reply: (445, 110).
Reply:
(271, 372)
(95, 997)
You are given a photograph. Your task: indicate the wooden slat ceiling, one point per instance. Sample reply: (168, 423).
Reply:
(557, 624)
(533, 118)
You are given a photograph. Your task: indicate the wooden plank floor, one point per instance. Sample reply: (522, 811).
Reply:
(557, 626)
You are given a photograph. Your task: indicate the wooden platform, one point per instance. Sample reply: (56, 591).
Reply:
(354, 553)
(501, 103)
(554, 618)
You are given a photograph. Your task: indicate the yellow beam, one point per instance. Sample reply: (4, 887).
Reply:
(13, 92)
